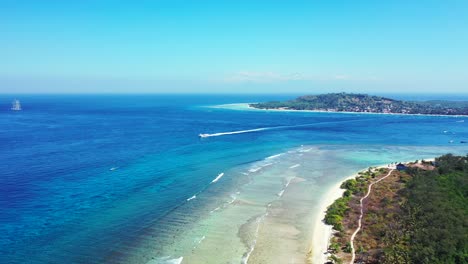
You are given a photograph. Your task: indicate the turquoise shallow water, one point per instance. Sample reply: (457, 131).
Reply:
(95, 179)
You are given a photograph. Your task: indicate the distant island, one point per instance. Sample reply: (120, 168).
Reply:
(363, 103)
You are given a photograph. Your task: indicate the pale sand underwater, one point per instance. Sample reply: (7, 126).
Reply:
(275, 215)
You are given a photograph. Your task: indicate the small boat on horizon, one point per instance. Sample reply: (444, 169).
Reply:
(16, 105)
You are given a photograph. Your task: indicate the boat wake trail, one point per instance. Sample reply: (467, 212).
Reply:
(236, 132)
(275, 128)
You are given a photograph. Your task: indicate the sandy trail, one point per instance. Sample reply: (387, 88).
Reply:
(369, 189)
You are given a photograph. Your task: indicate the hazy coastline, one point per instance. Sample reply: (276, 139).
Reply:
(246, 106)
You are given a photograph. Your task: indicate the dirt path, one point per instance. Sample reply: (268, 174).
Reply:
(362, 213)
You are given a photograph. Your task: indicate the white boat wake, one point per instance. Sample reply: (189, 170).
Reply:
(234, 132)
(274, 128)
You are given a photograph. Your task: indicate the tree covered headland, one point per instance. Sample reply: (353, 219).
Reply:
(345, 102)
(435, 215)
(416, 216)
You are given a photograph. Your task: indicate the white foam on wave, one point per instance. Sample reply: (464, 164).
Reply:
(274, 156)
(260, 166)
(295, 166)
(305, 150)
(198, 241)
(281, 193)
(233, 199)
(214, 210)
(227, 203)
(255, 169)
(191, 198)
(166, 260)
(288, 182)
(218, 177)
(460, 121)
(201, 239)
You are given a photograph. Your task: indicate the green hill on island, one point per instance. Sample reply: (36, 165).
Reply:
(347, 102)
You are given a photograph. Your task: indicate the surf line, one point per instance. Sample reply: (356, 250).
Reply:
(274, 128)
(218, 177)
(213, 181)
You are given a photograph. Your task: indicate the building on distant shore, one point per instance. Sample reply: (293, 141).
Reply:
(401, 167)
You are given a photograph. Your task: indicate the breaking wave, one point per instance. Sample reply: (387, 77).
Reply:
(218, 177)
(274, 156)
(255, 169)
(166, 260)
(295, 166)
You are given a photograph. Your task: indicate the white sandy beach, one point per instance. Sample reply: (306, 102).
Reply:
(322, 232)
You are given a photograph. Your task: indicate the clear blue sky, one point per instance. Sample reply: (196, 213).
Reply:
(233, 46)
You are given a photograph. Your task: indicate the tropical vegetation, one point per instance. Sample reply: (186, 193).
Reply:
(419, 215)
(347, 102)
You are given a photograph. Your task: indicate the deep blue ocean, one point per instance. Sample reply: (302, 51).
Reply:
(83, 176)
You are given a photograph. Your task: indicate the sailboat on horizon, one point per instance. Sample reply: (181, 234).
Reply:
(16, 105)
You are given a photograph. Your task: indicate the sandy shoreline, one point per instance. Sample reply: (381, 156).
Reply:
(246, 106)
(322, 233)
